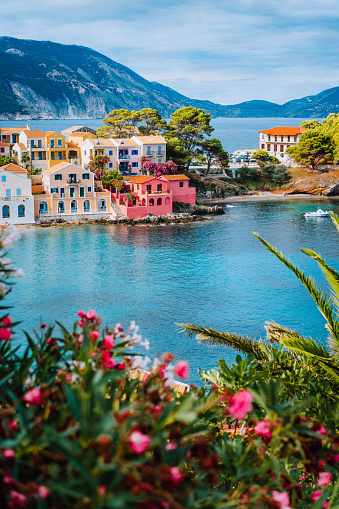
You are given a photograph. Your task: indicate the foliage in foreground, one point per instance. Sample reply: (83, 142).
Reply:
(77, 430)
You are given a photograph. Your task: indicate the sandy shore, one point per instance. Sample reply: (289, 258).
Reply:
(263, 196)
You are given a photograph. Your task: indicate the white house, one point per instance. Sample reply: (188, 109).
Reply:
(5, 149)
(100, 147)
(276, 141)
(16, 199)
(153, 147)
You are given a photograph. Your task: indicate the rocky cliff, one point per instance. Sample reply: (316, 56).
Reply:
(40, 79)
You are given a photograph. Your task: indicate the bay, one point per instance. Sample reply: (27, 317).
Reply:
(234, 133)
(214, 273)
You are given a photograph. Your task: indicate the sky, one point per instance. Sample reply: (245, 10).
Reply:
(225, 51)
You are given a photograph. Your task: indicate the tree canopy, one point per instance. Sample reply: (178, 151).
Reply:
(213, 153)
(190, 125)
(315, 147)
(6, 160)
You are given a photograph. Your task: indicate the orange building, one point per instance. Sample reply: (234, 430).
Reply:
(69, 189)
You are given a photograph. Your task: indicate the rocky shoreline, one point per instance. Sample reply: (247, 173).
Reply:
(196, 213)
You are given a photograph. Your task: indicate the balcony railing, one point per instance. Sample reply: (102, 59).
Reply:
(37, 147)
(121, 156)
(73, 181)
(15, 198)
(55, 147)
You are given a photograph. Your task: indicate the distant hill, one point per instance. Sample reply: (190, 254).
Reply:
(40, 79)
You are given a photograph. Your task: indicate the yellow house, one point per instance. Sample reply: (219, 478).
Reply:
(69, 189)
(55, 144)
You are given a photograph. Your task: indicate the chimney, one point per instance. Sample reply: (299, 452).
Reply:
(28, 127)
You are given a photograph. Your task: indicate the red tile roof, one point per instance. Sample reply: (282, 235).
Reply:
(175, 177)
(284, 131)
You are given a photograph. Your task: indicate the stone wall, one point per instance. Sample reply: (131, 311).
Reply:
(73, 218)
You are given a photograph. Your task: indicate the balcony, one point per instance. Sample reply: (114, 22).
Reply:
(15, 198)
(37, 147)
(160, 154)
(55, 147)
(121, 156)
(73, 181)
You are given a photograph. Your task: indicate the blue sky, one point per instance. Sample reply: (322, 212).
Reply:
(227, 51)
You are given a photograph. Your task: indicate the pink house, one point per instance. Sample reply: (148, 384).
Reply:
(153, 195)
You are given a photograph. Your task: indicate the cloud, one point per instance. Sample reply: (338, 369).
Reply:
(225, 51)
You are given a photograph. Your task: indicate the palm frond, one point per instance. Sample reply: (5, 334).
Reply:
(335, 220)
(278, 333)
(324, 303)
(209, 337)
(332, 277)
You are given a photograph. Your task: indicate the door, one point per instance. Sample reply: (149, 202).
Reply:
(74, 206)
(72, 192)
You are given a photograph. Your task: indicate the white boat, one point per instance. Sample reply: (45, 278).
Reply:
(231, 206)
(319, 213)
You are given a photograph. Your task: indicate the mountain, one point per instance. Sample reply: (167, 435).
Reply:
(42, 79)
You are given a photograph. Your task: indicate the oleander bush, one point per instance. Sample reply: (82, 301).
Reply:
(80, 429)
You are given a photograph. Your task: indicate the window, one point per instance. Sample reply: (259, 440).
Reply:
(134, 152)
(72, 192)
(148, 151)
(288, 138)
(54, 190)
(21, 211)
(87, 206)
(62, 192)
(110, 165)
(268, 147)
(33, 156)
(102, 205)
(275, 148)
(18, 192)
(149, 188)
(275, 138)
(262, 136)
(159, 160)
(82, 192)
(59, 143)
(181, 184)
(269, 138)
(281, 148)
(159, 150)
(32, 144)
(85, 152)
(89, 189)
(295, 138)
(5, 211)
(43, 207)
(8, 193)
(58, 176)
(61, 207)
(52, 143)
(281, 138)
(2, 149)
(159, 201)
(74, 206)
(72, 178)
(39, 143)
(60, 155)
(135, 165)
(85, 176)
(52, 156)
(3, 178)
(110, 152)
(159, 188)
(263, 146)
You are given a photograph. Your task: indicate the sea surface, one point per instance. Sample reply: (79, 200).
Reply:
(214, 273)
(234, 133)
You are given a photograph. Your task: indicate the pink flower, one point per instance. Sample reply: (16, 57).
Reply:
(107, 361)
(34, 396)
(168, 357)
(336, 458)
(315, 495)
(321, 430)
(91, 315)
(7, 479)
(8, 453)
(102, 490)
(139, 442)
(94, 335)
(5, 334)
(181, 369)
(82, 314)
(240, 404)
(108, 342)
(324, 479)
(7, 320)
(282, 498)
(326, 504)
(171, 447)
(43, 492)
(80, 339)
(17, 499)
(176, 475)
(263, 428)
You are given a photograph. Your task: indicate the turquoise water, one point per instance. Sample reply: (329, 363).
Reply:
(214, 273)
(234, 133)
